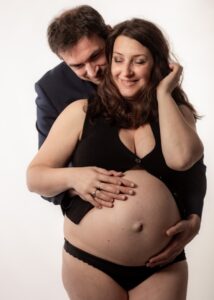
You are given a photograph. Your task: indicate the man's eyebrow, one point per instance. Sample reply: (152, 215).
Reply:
(97, 51)
(75, 65)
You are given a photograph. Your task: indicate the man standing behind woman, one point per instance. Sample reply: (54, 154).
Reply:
(132, 103)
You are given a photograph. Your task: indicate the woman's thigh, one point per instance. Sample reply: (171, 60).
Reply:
(83, 282)
(168, 284)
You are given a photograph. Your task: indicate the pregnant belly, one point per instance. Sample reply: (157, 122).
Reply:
(133, 230)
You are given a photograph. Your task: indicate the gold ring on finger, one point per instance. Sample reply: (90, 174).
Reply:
(94, 193)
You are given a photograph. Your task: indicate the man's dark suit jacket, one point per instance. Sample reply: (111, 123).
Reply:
(58, 88)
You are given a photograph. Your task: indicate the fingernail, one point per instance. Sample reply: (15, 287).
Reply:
(131, 192)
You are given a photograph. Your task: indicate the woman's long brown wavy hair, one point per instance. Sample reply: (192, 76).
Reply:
(142, 107)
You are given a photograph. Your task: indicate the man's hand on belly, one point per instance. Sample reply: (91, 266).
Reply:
(181, 233)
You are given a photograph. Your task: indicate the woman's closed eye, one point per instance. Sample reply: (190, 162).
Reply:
(117, 59)
(139, 61)
(134, 61)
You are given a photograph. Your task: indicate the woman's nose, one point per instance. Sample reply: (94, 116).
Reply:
(127, 70)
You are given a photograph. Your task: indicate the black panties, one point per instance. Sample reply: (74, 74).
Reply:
(126, 276)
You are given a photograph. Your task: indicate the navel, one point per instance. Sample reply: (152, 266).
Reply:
(137, 226)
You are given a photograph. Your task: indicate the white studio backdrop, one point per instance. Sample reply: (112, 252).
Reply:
(31, 233)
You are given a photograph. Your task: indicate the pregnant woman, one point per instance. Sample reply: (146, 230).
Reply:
(139, 128)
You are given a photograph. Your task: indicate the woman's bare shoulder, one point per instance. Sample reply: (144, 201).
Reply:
(77, 106)
(74, 111)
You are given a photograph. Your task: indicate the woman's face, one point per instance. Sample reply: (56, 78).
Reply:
(131, 65)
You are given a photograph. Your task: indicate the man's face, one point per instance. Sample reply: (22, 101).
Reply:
(87, 58)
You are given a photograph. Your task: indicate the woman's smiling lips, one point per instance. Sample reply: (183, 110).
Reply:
(128, 82)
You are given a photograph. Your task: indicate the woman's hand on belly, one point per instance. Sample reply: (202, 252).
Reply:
(99, 186)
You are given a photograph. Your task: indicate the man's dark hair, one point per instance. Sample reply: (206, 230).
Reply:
(68, 28)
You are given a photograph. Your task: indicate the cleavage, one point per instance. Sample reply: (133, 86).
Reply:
(140, 141)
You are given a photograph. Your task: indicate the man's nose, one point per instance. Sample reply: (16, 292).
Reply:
(91, 70)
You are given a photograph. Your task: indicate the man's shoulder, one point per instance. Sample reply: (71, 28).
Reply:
(59, 72)
(61, 84)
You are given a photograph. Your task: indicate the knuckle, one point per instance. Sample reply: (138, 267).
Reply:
(117, 191)
(114, 180)
(125, 190)
(124, 182)
(104, 197)
(111, 189)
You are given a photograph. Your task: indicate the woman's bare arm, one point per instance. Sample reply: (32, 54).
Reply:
(180, 142)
